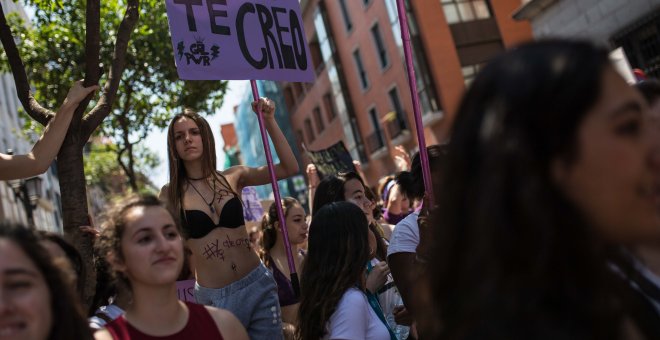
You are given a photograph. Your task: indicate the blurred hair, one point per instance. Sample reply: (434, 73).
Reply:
(67, 314)
(512, 257)
(72, 255)
(377, 212)
(337, 228)
(650, 89)
(106, 285)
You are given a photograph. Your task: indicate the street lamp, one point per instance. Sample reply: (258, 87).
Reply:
(28, 192)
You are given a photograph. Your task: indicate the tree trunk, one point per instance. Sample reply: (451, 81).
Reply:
(70, 158)
(74, 208)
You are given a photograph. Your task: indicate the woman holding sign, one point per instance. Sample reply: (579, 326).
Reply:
(228, 271)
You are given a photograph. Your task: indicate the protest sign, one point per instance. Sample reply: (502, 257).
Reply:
(332, 160)
(239, 39)
(252, 210)
(185, 290)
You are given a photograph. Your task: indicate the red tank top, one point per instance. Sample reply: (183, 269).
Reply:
(200, 325)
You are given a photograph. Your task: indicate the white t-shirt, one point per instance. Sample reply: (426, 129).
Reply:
(405, 236)
(355, 320)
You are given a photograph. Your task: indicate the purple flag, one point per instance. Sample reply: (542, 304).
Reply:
(239, 39)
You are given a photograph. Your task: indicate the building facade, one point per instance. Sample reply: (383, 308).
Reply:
(47, 212)
(251, 145)
(361, 94)
(629, 25)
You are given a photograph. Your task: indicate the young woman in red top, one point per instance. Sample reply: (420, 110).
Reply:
(142, 243)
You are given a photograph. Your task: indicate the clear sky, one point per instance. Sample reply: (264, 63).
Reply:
(157, 140)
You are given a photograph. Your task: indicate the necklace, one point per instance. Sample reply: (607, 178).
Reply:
(210, 204)
(196, 179)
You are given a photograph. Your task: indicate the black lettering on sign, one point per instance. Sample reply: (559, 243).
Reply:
(287, 51)
(298, 39)
(240, 20)
(266, 22)
(197, 52)
(273, 30)
(192, 27)
(186, 294)
(214, 13)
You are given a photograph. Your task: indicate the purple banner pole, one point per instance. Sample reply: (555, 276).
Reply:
(276, 192)
(412, 81)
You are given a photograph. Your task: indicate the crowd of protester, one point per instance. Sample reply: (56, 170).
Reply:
(543, 223)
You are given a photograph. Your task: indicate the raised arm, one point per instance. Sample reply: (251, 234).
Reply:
(313, 181)
(288, 165)
(47, 147)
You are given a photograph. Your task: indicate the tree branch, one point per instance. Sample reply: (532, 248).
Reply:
(120, 161)
(30, 104)
(92, 51)
(104, 105)
(92, 42)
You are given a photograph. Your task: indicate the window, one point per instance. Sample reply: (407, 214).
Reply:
(315, 53)
(425, 85)
(309, 131)
(319, 120)
(344, 13)
(329, 106)
(362, 73)
(380, 46)
(397, 124)
(465, 10)
(375, 141)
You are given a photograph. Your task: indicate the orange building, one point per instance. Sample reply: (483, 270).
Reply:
(361, 94)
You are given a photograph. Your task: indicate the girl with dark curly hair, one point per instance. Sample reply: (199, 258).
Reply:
(142, 243)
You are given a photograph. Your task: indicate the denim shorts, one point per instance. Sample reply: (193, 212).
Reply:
(252, 299)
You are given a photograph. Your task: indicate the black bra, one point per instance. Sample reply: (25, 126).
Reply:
(198, 224)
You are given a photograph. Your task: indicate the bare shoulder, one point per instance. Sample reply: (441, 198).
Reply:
(227, 323)
(235, 174)
(235, 170)
(102, 334)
